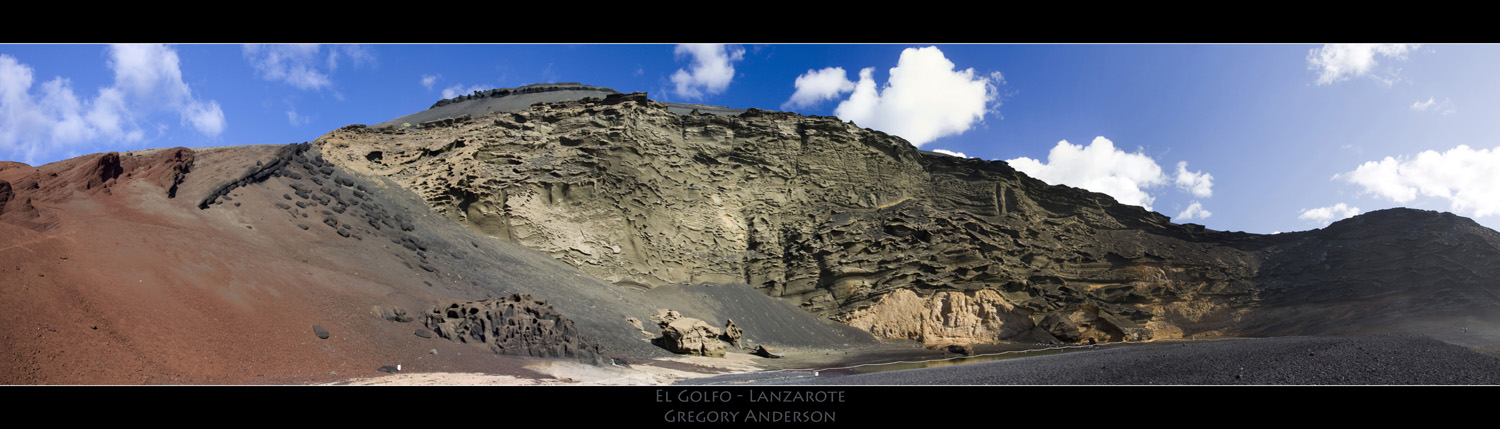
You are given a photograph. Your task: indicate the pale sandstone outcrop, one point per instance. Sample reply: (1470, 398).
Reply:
(943, 317)
(687, 335)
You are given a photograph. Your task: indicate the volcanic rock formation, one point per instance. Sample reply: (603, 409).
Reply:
(516, 325)
(863, 228)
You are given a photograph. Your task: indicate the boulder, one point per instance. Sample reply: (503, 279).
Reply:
(686, 335)
(733, 333)
(392, 313)
(764, 351)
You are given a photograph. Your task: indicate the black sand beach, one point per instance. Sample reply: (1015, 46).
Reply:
(1344, 360)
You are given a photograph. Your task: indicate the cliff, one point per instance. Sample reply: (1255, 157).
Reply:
(863, 228)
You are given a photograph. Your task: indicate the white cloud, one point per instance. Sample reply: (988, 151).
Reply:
(148, 79)
(296, 65)
(428, 80)
(1445, 107)
(1099, 168)
(1200, 184)
(207, 118)
(1326, 215)
(304, 66)
(1339, 62)
(458, 89)
(362, 55)
(950, 153)
(817, 86)
(924, 99)
(1469, 179)
(1194, 210)
(296, 119)
(712, 69)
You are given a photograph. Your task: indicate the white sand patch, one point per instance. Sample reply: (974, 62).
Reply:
(563, 372)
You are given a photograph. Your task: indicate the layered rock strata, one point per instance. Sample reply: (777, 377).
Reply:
(861, 227)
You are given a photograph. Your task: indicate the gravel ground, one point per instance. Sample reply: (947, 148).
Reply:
(1353, 360)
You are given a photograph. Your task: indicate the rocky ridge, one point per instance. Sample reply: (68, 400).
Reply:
(863, 228)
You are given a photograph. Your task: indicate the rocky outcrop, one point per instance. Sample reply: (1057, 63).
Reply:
(733, 334)
(23, 188)
(686, 335)
(863, 228)
(528, 89)
(280, 164)
(943, 317)
(691, 336)
(516, 325)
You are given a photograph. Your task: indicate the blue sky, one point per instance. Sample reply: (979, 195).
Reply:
(1257, 138)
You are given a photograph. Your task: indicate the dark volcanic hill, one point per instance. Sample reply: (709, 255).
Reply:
(863, 228)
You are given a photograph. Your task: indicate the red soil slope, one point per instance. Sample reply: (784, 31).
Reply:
(110, 274)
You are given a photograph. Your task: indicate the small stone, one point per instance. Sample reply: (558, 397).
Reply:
(764, 351)
(322, 333)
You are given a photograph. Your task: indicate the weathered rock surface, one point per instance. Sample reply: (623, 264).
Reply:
(732, 333)
(943, 317)
(686, 335)
(763, 351)
(392, 313)
(516, 325)
(863, 228)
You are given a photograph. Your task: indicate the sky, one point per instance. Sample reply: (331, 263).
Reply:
(1260, 138)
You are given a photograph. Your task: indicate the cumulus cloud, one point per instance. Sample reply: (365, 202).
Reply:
(458, 89)
(1099, 167)
(712, 69)
(1200, 184)
(152, 75)
(303, 66)
(148, 80)
(1326, 215)
(429, 80)
(950, 153)
(207, 118)
(925, 98)
(817, 86)
(1339, 62)
(1194, 210)
(1469, 179)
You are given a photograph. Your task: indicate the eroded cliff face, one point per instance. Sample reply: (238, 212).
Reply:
(850, 223)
